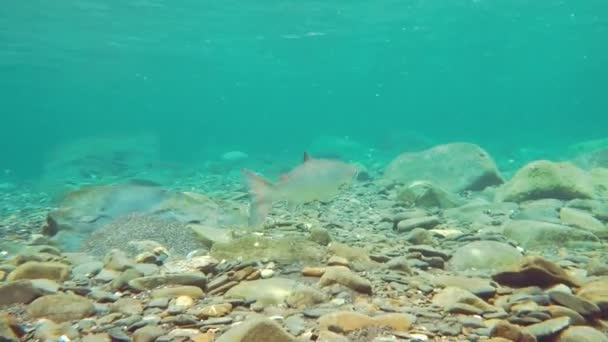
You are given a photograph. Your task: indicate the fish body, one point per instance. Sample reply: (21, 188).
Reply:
(313, 180)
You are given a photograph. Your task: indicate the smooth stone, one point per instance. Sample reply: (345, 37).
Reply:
(128, 306)
(485, 256)
(266, 292)
(102, 337)
(152, 282)
(122, 281)
(215, 310)
(423, 194)
(256, 330)
(117, 260)
(545, 179)
(455, 167)
(450, 296)
(320, 236)
(582, 334)
(25, 291)
(529, 233)
(596, 292)
(61, 307)
(477, 286)
(304, 296)
(347, 321)
(427, 222)
(170, 292)
(575, 303)
(583, 220)
(295, 324)
(536, 271)
(344, 276)
(511, 332)
(560, 311)
(87, 270)
(148, 333)
(40, 270)
(549, 327)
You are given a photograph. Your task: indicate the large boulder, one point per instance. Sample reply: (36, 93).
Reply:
(545, 179)
(455, 167)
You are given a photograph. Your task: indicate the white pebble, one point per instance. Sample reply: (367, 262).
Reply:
(266, 273)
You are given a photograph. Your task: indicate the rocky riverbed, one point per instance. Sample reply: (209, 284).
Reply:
(438, 248)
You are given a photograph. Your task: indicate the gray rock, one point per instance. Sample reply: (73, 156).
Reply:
(535, 233)
(484, 256)
(455, 167)
(151, 282)
(255, 330)
(418, 222)
(545, 179)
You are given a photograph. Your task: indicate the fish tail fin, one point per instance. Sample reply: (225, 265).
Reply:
(261, 191)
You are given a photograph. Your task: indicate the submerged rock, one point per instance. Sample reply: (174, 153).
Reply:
(545, 179)
(273, 291)
(455, 167)
(255, 330)
(61, 308)
(536, 271)
(284, 250)
(484, 256)
(530, 233)
(427, 195)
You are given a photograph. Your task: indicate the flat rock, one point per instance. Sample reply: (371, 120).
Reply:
(344, 276)
(347, 321)
(477, 286)
(535, 271)
(151, 282)
(423, 194)
(596, 292)
(25, 291)
(267, 292)
(255, 330)
(40, 270)
(194, 292)
(583, 220)
(575, 303)
(61, 307)
(530, 233)
(549, 327)
(450, 296)
(417, 222)
(148, 333)
(455, 167)
(582, 334)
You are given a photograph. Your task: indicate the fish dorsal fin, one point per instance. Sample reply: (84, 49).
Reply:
(307, 157)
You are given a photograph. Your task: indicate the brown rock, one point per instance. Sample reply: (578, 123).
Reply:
(343, 276)
(149, 333)
(256, 330)
(215, 310)
(61, 308)
(536, 271)
(582, 334)
(194, 292)
(313, 271)
(40, 270)
(511, 332)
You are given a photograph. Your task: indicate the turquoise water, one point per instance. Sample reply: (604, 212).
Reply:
(206, 77)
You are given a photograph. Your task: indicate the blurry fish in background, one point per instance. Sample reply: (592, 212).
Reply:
(313, 180)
